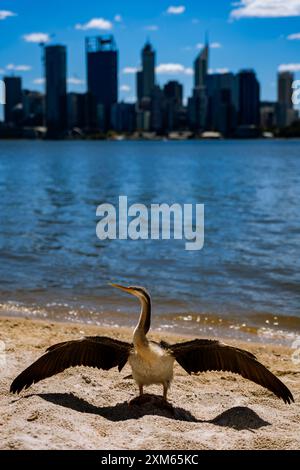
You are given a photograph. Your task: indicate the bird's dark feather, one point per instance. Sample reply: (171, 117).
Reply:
(202, 355)
(92, 351)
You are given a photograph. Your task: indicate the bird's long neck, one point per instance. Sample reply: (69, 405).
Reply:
(143, 326)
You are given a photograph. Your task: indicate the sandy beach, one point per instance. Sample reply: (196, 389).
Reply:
(83, 408)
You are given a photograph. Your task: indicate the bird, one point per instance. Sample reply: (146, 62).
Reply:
(150, 362)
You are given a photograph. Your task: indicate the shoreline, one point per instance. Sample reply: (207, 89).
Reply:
(150, 139)
(254, 328)
(84, 408)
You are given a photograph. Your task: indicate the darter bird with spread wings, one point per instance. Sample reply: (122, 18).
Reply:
(150, 362)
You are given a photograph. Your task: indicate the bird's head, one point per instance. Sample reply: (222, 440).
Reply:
(139, 292)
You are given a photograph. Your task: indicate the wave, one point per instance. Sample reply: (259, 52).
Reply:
(256, 327)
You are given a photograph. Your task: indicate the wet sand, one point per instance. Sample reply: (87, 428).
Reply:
(84, 408)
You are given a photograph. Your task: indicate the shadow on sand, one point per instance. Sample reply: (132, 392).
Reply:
(238, 418)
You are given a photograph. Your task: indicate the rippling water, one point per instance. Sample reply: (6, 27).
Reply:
(247, 277)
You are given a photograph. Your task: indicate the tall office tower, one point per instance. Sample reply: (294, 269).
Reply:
(201, 67)
(13, 90)
(145, 85)
(173, 90)
(197, 104)
(249, 98)
(285, 110)
(173, 94)
(56, 89)
(139, 85)
(102, 78)
(285, 88)
(157, 109)
(223, 102)
(197, 110)
(148, 70)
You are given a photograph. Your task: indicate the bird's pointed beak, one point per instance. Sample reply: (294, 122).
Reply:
(125, 289)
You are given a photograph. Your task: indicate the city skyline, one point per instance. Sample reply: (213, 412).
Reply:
(176, 31)
(225, 104)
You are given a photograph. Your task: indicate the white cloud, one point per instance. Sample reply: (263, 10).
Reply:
(38, 81)
(213, 45)
(75, 81)
(70, 80)
(176, 10)
(173, 69)
(118, 18)
(18, 68)
(265, 9)
(151, 27)
(95, 23)
(220, 70)
(130, 70)
(125, 88)
(289, 68)
(294, 37)
(189, 71)
(223, 70)
(6, 14)
(2, 71)
(36, 37)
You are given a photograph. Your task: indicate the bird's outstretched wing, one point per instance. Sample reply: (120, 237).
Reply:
(201, 355)
(91, 351)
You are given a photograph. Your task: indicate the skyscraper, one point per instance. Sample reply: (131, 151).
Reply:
(285, 109)
(197, 110)
(285, 90)
(157, 109)
(173, 94)
(223, 102)
(145, 78)
(148, 68)
(102, 77)
(56, 89)
(173, 90)
(145, 89)
(201, 67)
(249, 98)
(13, 87)
(139, 86)
(197, 104)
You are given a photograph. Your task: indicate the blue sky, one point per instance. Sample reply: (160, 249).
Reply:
(259, 34)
